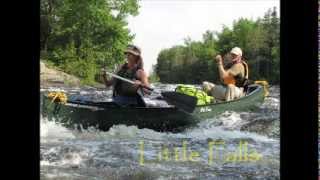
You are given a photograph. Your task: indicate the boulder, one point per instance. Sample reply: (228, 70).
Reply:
(53, 77)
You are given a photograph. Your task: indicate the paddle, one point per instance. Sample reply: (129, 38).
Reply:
(179, 100)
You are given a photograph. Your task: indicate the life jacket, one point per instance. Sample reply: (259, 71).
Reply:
(190, 90)
(122, 88)
(238, 80)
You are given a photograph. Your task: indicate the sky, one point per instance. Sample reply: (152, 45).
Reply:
(165, 23)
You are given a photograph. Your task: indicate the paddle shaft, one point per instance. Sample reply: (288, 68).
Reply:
(127, 80)
(184, 102)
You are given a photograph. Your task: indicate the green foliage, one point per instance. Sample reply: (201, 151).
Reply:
(193, 62)
(153, 78)
(82, 36)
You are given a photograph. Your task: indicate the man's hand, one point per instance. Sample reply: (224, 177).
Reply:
(218, 59)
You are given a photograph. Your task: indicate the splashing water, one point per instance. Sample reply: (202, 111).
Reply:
(229, 146)
(50, 131)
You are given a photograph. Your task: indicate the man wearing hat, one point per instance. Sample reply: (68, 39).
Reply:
(124, 93)
(234, 77)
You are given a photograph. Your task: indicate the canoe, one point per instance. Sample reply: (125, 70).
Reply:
(103, 115)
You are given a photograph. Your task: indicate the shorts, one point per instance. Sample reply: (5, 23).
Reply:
(221, 92)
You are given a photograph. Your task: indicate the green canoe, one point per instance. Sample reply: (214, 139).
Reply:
(104, 115)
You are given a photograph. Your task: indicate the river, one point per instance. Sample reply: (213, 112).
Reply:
(230, 146)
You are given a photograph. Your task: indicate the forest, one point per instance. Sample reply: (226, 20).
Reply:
(193, 62)
(81, 37)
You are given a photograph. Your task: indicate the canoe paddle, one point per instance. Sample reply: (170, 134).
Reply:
(179, 100)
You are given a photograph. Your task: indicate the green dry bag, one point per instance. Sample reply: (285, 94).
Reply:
(203, 97)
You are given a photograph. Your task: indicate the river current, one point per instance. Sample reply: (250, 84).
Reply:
(233, 145)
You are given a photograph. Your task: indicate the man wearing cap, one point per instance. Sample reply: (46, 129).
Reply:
(234, 77)
(124, 93)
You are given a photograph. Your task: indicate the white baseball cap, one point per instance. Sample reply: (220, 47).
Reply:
(237, 51)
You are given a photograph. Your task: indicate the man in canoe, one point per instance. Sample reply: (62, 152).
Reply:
(234, 77)
(124, 93)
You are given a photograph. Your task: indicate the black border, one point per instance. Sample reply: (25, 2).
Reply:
(25, 115)
(35, 65)
(299, 89)
(20, 116)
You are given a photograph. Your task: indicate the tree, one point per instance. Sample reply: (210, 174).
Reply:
(85, 35)
(193, 62)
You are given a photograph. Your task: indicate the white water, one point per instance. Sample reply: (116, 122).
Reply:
(94, 154)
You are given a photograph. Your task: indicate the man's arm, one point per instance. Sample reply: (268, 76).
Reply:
(222, 72)
(235, 70)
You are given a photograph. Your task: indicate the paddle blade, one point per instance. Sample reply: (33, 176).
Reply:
(181, 101)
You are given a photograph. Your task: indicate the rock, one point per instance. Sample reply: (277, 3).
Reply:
(53, 77)
(42, 67)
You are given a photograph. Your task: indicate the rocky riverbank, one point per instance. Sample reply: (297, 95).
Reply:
(50, 77)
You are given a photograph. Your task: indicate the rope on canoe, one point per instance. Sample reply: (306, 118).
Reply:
(265, 85)
(58, 97)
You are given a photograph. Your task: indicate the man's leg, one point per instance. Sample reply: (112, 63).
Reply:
(219, 92)
(207, 87)
(230, 93)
